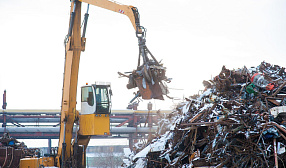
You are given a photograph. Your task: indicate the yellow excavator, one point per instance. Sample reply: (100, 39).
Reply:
(149, 77)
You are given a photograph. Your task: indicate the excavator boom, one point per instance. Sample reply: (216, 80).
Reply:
(72, 58)
(114, 6)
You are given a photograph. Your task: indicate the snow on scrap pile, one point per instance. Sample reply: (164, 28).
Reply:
(238, 121)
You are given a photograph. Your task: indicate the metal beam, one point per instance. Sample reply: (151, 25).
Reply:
(35, 119)
(113, 130)
(57, 112)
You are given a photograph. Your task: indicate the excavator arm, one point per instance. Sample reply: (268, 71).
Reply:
(118, 8)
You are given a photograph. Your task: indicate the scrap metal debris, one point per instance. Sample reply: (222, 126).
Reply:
(150, 75)
(11, 151)
(238, 121)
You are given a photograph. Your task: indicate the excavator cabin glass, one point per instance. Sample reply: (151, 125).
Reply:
(102, 99)
(87, 95)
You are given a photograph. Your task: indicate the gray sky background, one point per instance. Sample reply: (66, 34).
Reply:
(193, 38)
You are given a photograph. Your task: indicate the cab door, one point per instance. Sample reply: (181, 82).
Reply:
(103, 101)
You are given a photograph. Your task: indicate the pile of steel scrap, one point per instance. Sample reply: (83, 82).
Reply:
(238, 121)
(11, 151)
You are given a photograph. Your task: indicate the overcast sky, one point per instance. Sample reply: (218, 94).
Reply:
(194, 39)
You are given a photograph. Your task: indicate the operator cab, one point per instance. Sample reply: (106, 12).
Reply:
(96, 98)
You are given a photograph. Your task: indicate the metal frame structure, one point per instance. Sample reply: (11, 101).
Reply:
(44, 124)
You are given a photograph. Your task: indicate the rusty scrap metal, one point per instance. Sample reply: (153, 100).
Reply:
(11, 151)
(229, 125)
(150, 80)
(150, 76)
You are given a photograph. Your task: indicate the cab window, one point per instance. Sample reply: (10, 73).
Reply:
(102, 100)
(87, 95)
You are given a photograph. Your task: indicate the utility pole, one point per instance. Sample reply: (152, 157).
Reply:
(4, 108)
(149, 107)
(4, 100)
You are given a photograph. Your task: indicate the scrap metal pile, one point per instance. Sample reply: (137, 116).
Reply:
(238, 121)
(11, 151)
